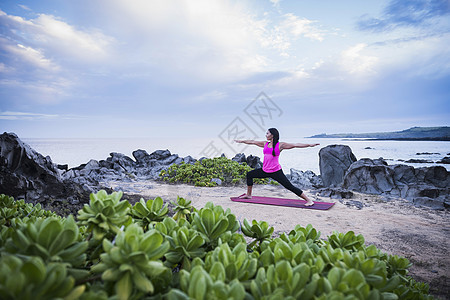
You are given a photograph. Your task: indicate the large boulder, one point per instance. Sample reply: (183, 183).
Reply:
(305, 179)
(26, 174)
(334, 162)
(369, 176)
(251, 160)
(428, 186)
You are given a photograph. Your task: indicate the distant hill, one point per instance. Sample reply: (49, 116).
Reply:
(414, 133)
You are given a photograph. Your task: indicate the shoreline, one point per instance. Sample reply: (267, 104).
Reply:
(395, 227)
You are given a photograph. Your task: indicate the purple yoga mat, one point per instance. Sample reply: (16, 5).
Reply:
(284, 202)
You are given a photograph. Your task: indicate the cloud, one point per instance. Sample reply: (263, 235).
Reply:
(41, 56)
(301, 27)
(355, 62)
(406, 13)
(54, 37)
(15, 115)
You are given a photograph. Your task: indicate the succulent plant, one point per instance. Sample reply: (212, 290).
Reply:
(30, 278)
(200, 284)
(282, 281)
(105, 214)
(43, 256)
(347, 240)
(183, 209)
(52, 239)
(234, 263)
(212, 221)
(10, 209)
(185, 244)
(133, 263)
(260, 231)
(147, 213)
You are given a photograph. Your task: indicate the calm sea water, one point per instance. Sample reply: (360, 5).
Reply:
(78, 151)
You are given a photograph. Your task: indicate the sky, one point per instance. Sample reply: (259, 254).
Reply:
(181, 69)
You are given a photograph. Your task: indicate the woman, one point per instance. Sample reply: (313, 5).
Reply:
(271, 167)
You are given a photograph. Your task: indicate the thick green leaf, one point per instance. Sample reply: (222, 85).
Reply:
(124, 287)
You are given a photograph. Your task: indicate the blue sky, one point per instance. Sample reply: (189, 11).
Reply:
(145, 68)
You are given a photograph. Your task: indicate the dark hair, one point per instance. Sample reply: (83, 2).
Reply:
(276, 138)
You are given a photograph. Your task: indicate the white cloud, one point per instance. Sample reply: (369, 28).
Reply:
(88, 45)
(355, 62)
(47, 36)
(15, 115)
(301, 27)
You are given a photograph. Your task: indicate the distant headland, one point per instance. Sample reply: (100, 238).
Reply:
(411, 134)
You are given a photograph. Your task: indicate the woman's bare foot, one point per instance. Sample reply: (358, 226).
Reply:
(309, 203)
(245, 196)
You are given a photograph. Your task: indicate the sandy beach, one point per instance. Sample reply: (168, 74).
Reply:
(395, 227)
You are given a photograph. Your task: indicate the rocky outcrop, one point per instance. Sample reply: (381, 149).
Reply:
(253, 161)
(26, 174)
(445, 160)
(340, 172)
(428, 186)
(334, 161)
(121, 167)
(305, 179)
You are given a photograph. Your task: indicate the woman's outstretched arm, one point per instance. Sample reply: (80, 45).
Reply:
(251, 142)
(286, 146)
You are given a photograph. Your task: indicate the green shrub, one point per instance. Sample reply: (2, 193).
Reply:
(202, 172)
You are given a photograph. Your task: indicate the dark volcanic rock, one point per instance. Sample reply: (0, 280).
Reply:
(369, 176)
(419, 161)
(334, 162)
(414, 184)
(445, 160)
(252, 161)
(305, 179)
(335, 193)
(26, 174)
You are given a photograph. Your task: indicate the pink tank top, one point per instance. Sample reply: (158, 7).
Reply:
(270, 162)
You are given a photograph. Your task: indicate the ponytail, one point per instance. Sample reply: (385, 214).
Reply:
(276, 138)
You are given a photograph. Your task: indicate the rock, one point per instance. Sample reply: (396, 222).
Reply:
(160, 154)
(429, 202)
(140, 155)
(335, 193)
(254, 162)
(419, 161)
(26, 174)
(427, 153)
(217, 181)
(305, 179)
(445, 160)
(334, 162)
(353, 203)
(63, 167)
(369, 176)
(376, 177)
(121, 162)
(189, 160)
(240, 158)
(369, 148)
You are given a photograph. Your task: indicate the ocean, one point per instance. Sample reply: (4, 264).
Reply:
(75, 152)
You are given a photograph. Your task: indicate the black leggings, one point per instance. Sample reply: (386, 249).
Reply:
(278, 176)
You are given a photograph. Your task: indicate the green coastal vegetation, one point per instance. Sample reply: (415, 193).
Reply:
(115, 250)
(414, 133)
(204, 173)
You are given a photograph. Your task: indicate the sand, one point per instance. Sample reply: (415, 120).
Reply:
(395, 226)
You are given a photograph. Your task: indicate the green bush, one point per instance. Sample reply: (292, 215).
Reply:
(142, 253)
(202, 172)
